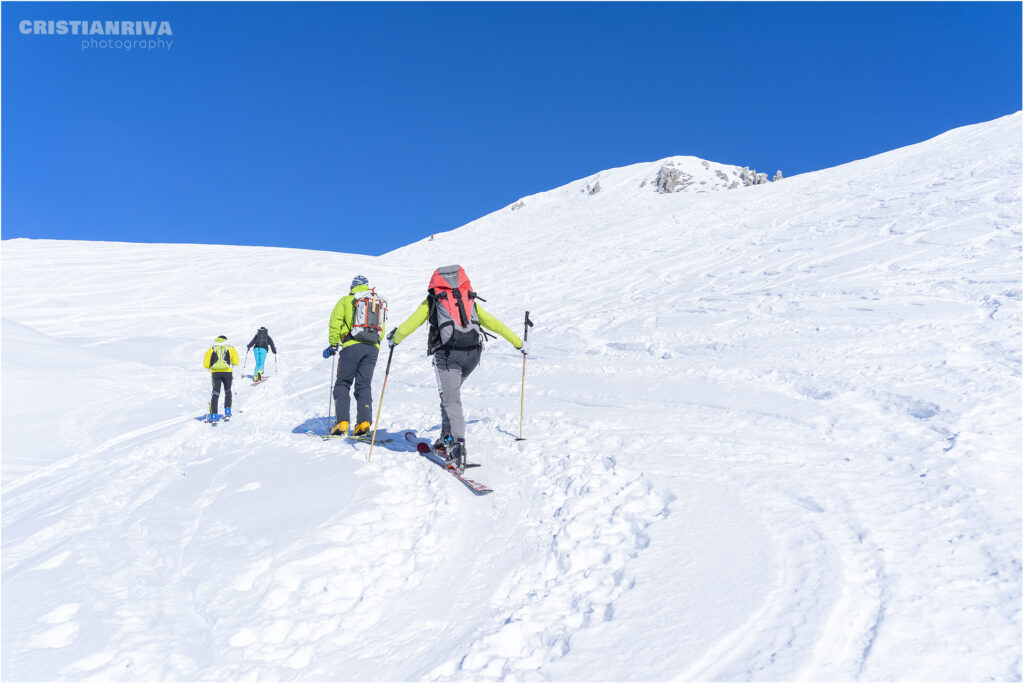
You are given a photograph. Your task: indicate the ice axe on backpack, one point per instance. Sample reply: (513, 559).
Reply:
(527, 324)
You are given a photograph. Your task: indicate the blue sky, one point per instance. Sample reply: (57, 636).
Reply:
(363, 127)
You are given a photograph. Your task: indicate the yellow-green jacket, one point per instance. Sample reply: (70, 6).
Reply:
(422, 313)
(341, 320)
(226, 356)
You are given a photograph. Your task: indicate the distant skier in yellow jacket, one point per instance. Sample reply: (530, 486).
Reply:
(220, 358)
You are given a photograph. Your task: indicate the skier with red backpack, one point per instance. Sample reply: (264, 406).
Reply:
(455, 341)
(354, 333)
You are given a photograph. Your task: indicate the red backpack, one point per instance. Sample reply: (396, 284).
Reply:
(453, 317)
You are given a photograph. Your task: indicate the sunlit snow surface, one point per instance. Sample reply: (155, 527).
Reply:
(773, 432)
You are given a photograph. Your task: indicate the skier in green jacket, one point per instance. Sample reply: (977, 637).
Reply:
(455, 341)
(357, 325)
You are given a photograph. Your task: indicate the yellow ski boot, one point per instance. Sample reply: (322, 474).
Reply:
(341, 429)
(361, 429)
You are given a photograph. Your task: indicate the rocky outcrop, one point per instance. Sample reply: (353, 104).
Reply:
(679, 174)
(750, 177)
(672, 179)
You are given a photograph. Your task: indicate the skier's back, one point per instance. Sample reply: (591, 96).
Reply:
(455, 340)
(259, 344)
(354, 332)
(220, 359)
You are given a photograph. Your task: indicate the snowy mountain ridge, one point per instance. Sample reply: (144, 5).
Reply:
(665, 176)
(772, 434)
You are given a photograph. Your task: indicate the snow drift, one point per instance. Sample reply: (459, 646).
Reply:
(774, 432)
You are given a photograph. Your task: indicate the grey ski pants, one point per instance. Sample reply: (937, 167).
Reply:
(355, 363)
(452, 367)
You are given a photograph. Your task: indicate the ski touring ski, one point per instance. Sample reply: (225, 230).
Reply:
(351, 438)
(439, 457)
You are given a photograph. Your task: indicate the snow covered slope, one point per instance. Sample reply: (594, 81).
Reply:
(773, 432)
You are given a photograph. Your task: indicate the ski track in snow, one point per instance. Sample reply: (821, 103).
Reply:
(794, 455)
(171, 500)
(591, 524)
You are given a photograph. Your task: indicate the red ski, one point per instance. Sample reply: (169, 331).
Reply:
(438, 457)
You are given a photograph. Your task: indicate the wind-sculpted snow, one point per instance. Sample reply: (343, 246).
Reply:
(773, 433)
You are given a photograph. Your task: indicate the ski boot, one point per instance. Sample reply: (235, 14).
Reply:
(341, 429)
(227, 413)
(361, 429)
(212, 418)
(443, 443)
(456, 459)
(258, 376)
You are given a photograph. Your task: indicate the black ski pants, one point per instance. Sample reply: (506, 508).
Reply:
(355, 365)
(220, 378)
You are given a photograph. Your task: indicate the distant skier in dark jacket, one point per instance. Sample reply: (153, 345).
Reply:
(259, 343)
(455, 341)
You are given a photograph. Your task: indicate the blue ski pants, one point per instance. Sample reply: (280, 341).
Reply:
(260, 354)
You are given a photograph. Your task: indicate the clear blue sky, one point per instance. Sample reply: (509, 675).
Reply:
(362, 127)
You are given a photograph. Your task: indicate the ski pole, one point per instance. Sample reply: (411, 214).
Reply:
(244, 363)
(380, 403)
(330, 398)
(527, 324)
